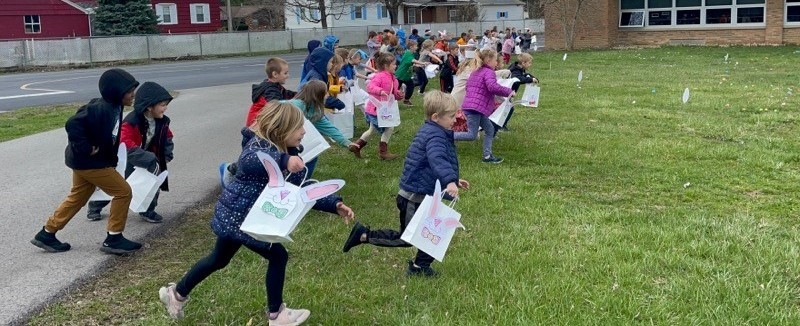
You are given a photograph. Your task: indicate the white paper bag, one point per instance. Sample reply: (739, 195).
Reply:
(144, 186)
(433, 225)
(388, 112)
(313, 142)
(122, 163)
(530, 97)
(360, 96)
(507, 82)
(347, 99)
(517, 50)
(431, 70)
(282, 205)
(343, 121)
(501, 113)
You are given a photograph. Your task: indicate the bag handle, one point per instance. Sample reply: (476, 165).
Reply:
(452, 202)
(305, 175)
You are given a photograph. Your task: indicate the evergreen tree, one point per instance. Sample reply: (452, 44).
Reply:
(125, 17)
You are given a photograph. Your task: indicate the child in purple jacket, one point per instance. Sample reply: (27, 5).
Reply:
(478, 104)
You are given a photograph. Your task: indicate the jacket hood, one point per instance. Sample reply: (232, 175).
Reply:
(313, 44)
(114, 83)
(150, 94)
(259, 89)
(318, 60)
(330, 42)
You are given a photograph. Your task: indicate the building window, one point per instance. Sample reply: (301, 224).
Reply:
(412, 16)
(452, 15)
(502, 14)
(792, 11)
(382, 12)
(32, 24)
(664, 13)
(167, 13)
(200, 13)
(358, 13)
(315, 14)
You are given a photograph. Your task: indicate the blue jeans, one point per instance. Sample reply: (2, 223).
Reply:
(475, 120)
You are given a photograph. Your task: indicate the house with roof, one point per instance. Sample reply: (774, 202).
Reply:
(254, 18)
(187, 16)
(610, 23)
(340, 14)
(450, 11)
(30, 19)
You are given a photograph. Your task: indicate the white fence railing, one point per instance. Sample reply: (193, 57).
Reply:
(52, 52)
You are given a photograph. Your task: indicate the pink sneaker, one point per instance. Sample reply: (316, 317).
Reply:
(169, 297)
(289, 317)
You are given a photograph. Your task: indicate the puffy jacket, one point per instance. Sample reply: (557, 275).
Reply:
(134, 133)
(239, 196)
(263, 93)
(98, 124)
(508, 46)
(460, 87)
(518, 72)
(431, 156)
(382, 81)
(482, 87)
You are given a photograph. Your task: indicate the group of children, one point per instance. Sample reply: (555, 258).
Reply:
(274, 125)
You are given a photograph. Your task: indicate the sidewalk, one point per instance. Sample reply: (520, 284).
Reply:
(206, 124)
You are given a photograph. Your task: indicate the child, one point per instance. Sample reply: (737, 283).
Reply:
(351, 63)
(406, 68)
(382, 85)
(330, 42)
(93, 134)
(271, 89)
(508, 48)
(277, 128)
(449, 69)
(322, 63)
(373, 43)
(148, 138)
(519, 70)
(462, 40)
(311, 101)
(431, 156)
(478, 104)
(312, 45)
(426, 57)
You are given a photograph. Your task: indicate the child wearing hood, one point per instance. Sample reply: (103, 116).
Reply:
(148, 138)
(271, 89)
(93, 135)
(330, 42)
(313, 44)
(320, 63)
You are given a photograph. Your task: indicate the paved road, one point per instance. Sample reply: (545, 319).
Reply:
(78, 86)
(206, 122)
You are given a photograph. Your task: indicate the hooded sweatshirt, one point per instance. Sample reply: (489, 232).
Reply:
(97, 124)
(156, 151)
(318, 70)
(264, 93)
(313, 44)
(329, 42)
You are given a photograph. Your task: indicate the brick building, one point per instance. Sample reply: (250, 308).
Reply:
(610, 23)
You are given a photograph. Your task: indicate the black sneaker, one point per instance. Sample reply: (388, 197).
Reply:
(354, 238)
(492, 159)
(152, 217)
(118, 245)
(426, 271)
(48, 242)
(94, 216)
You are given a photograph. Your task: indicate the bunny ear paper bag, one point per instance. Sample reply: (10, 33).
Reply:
(282, 205)
(433, 225)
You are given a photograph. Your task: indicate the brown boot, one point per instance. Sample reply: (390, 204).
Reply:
(383, 152)
(356, 147)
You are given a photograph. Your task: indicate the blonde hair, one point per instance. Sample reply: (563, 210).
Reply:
(438, 102)
(427, 44)
(486, 54)
(276, 122)
(468, 66)
(342, 52)
(352, 54)
(313, 95)
(336, 64)
(525, 57)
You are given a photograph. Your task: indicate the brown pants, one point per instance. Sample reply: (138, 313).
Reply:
(83, 185)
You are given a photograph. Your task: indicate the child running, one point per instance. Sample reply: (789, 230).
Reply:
(431, 156)
(382, 85)
(277, 128)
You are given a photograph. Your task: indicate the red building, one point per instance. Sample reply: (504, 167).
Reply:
(187, 16)
(25, 19)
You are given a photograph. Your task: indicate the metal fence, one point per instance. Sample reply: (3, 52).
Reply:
(53, 52)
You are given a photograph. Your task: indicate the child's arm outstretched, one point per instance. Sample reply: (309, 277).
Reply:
(326, 128)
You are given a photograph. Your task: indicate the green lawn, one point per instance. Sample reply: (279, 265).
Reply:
(27, 121)
(616, 204)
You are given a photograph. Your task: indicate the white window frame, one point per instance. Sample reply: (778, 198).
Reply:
(173, 13)
(702, 8)
(632, 11)
(383, 12)
(786, 6)
(452, 15)
(358, 12)
(33, 25)
(410, 12)
(206, 13)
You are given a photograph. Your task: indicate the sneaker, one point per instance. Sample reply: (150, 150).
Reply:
(169, 297)
(152, 217)
(94, 216)
(48, 242)
(118, 245)
(354, 238)
(288, 316)
(407, 102)
(225, 173)
(426, 271)
(492, 159)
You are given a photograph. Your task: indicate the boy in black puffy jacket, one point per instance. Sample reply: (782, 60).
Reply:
(519, 70)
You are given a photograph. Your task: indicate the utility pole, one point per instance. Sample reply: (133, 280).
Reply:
(230, 19)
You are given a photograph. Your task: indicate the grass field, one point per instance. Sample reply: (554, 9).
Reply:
(616, 204)
(27, 121)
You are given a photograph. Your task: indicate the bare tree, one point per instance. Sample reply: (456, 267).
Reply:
(393, 8)
(568, 14)
(318, 11)
(470, 12)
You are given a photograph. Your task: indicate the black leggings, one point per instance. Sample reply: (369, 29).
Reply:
(391, 238)
(422, 79)
(221, 256)
(409, 87)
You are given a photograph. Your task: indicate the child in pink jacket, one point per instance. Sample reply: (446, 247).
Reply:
(508, 48)
(382, 85)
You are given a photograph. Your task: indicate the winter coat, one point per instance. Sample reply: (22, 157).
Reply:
(98, 124)
(508, 46)
(313, 44)
(431, 156)
(460, 87)
(450, 67)
(482, 87)
(383, 81)
(323, 125)
(264, 93)
(329, 42)
(318, 61)
(517, 71)
(134, 133)
(251, 178)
